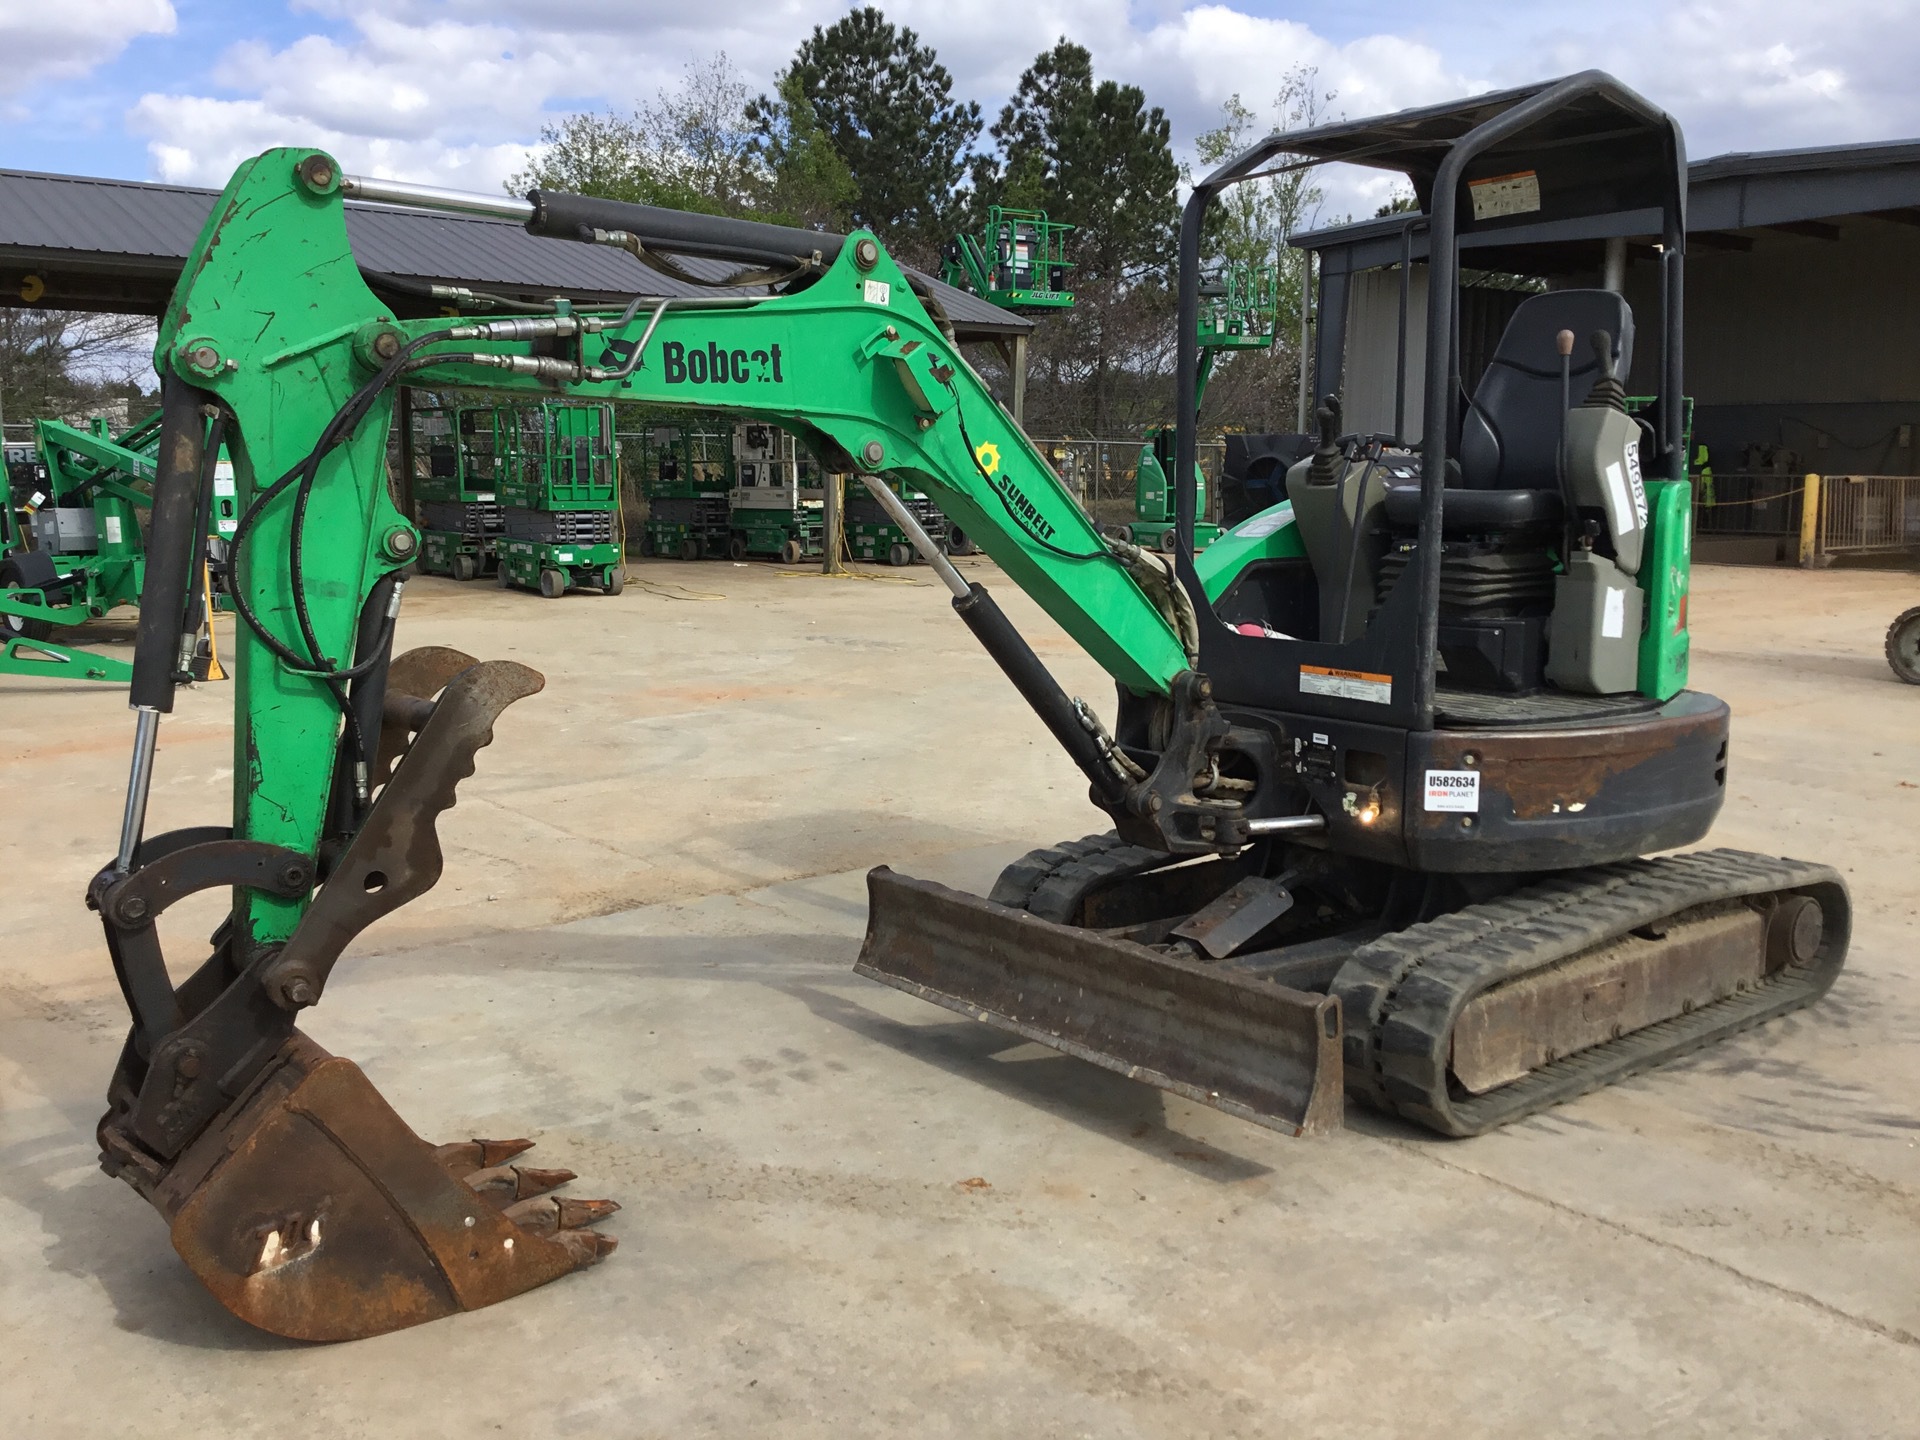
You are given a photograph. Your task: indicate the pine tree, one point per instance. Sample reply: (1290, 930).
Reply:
(1092, 153)
(886, 104)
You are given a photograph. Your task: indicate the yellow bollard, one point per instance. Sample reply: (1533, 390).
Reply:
(213, 671)
(1810, 523)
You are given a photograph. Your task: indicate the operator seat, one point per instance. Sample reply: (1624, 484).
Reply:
(1510, 440)
(1503, 515)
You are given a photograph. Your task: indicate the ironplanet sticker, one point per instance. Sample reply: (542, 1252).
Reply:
(1347, 684)
(1457, 791)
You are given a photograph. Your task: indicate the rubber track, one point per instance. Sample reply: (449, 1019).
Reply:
(1051, 882)
(1403, 993)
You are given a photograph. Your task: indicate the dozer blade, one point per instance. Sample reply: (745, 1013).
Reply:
(1253, 1049)
(367, 1228)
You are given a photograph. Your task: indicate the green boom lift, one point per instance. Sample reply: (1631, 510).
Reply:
(72, 545)
(1019, 262)
(1382, 766)
(1239, 310)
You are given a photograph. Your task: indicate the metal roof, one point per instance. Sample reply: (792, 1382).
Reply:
(138, 234)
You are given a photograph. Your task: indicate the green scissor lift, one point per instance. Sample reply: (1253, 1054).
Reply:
(1239, 310)
(778, 502)
(688, 483)
(71, 543)
(872, 535)
(562, 498)
(1019, 262)
(460, 453)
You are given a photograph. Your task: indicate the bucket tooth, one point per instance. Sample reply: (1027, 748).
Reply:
(462, 1157)
(503, 1184)
(546, 1214)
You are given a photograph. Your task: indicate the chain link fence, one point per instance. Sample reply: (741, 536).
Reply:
(1867, 516)
(1100, 474)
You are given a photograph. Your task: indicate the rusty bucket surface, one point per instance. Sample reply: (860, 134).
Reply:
(312, 1211)
(1254, 1049)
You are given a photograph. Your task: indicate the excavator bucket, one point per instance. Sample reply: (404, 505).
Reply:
(313, 1212)
(1254, 1049)
(303, 1203)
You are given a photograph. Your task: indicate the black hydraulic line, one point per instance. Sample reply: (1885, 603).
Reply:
(560, 216)
(450, 294)
(1039, 689)
(373, 648)
(197, 597)
(170, 547)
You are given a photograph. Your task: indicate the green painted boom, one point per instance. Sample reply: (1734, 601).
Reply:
(272, 317)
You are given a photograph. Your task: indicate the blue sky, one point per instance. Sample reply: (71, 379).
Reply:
(455, 90)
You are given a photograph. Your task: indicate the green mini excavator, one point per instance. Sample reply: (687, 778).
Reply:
(1380, 776)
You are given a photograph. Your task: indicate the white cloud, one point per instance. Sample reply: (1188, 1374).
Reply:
(44, 42)
(455, 91)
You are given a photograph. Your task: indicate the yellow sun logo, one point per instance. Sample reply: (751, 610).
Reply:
(988, 456)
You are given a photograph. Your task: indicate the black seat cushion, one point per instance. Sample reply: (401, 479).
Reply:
(1510, 438)
(1477, 512)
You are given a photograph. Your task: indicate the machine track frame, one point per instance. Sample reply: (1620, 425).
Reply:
(1402, 994)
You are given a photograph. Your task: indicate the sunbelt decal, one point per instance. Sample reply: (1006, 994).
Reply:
(712, 364)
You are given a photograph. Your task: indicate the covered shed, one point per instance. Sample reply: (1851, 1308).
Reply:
(74, 242)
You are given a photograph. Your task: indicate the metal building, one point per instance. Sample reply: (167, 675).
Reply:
(73, 242)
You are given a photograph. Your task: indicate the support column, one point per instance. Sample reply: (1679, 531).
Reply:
(834, 509)
(1019, 368)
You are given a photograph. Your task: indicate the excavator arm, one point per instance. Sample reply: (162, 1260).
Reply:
(294, 1192)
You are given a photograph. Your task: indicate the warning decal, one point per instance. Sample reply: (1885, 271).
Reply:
(1515, 194)
(1457, 791)
(1347, 684)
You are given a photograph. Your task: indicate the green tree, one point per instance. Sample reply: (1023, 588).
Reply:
(690, 149)
(886, 104)
(61, 362)
(1248, 224)
(1092, 154)
(805, 182)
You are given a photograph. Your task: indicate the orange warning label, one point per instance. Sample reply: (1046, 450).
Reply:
(1347, 684)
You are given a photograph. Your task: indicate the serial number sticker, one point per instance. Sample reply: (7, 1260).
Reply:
(1455, 791)
(1347, 684)
(1497, 195)
(1636, 482)
(879, 292)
